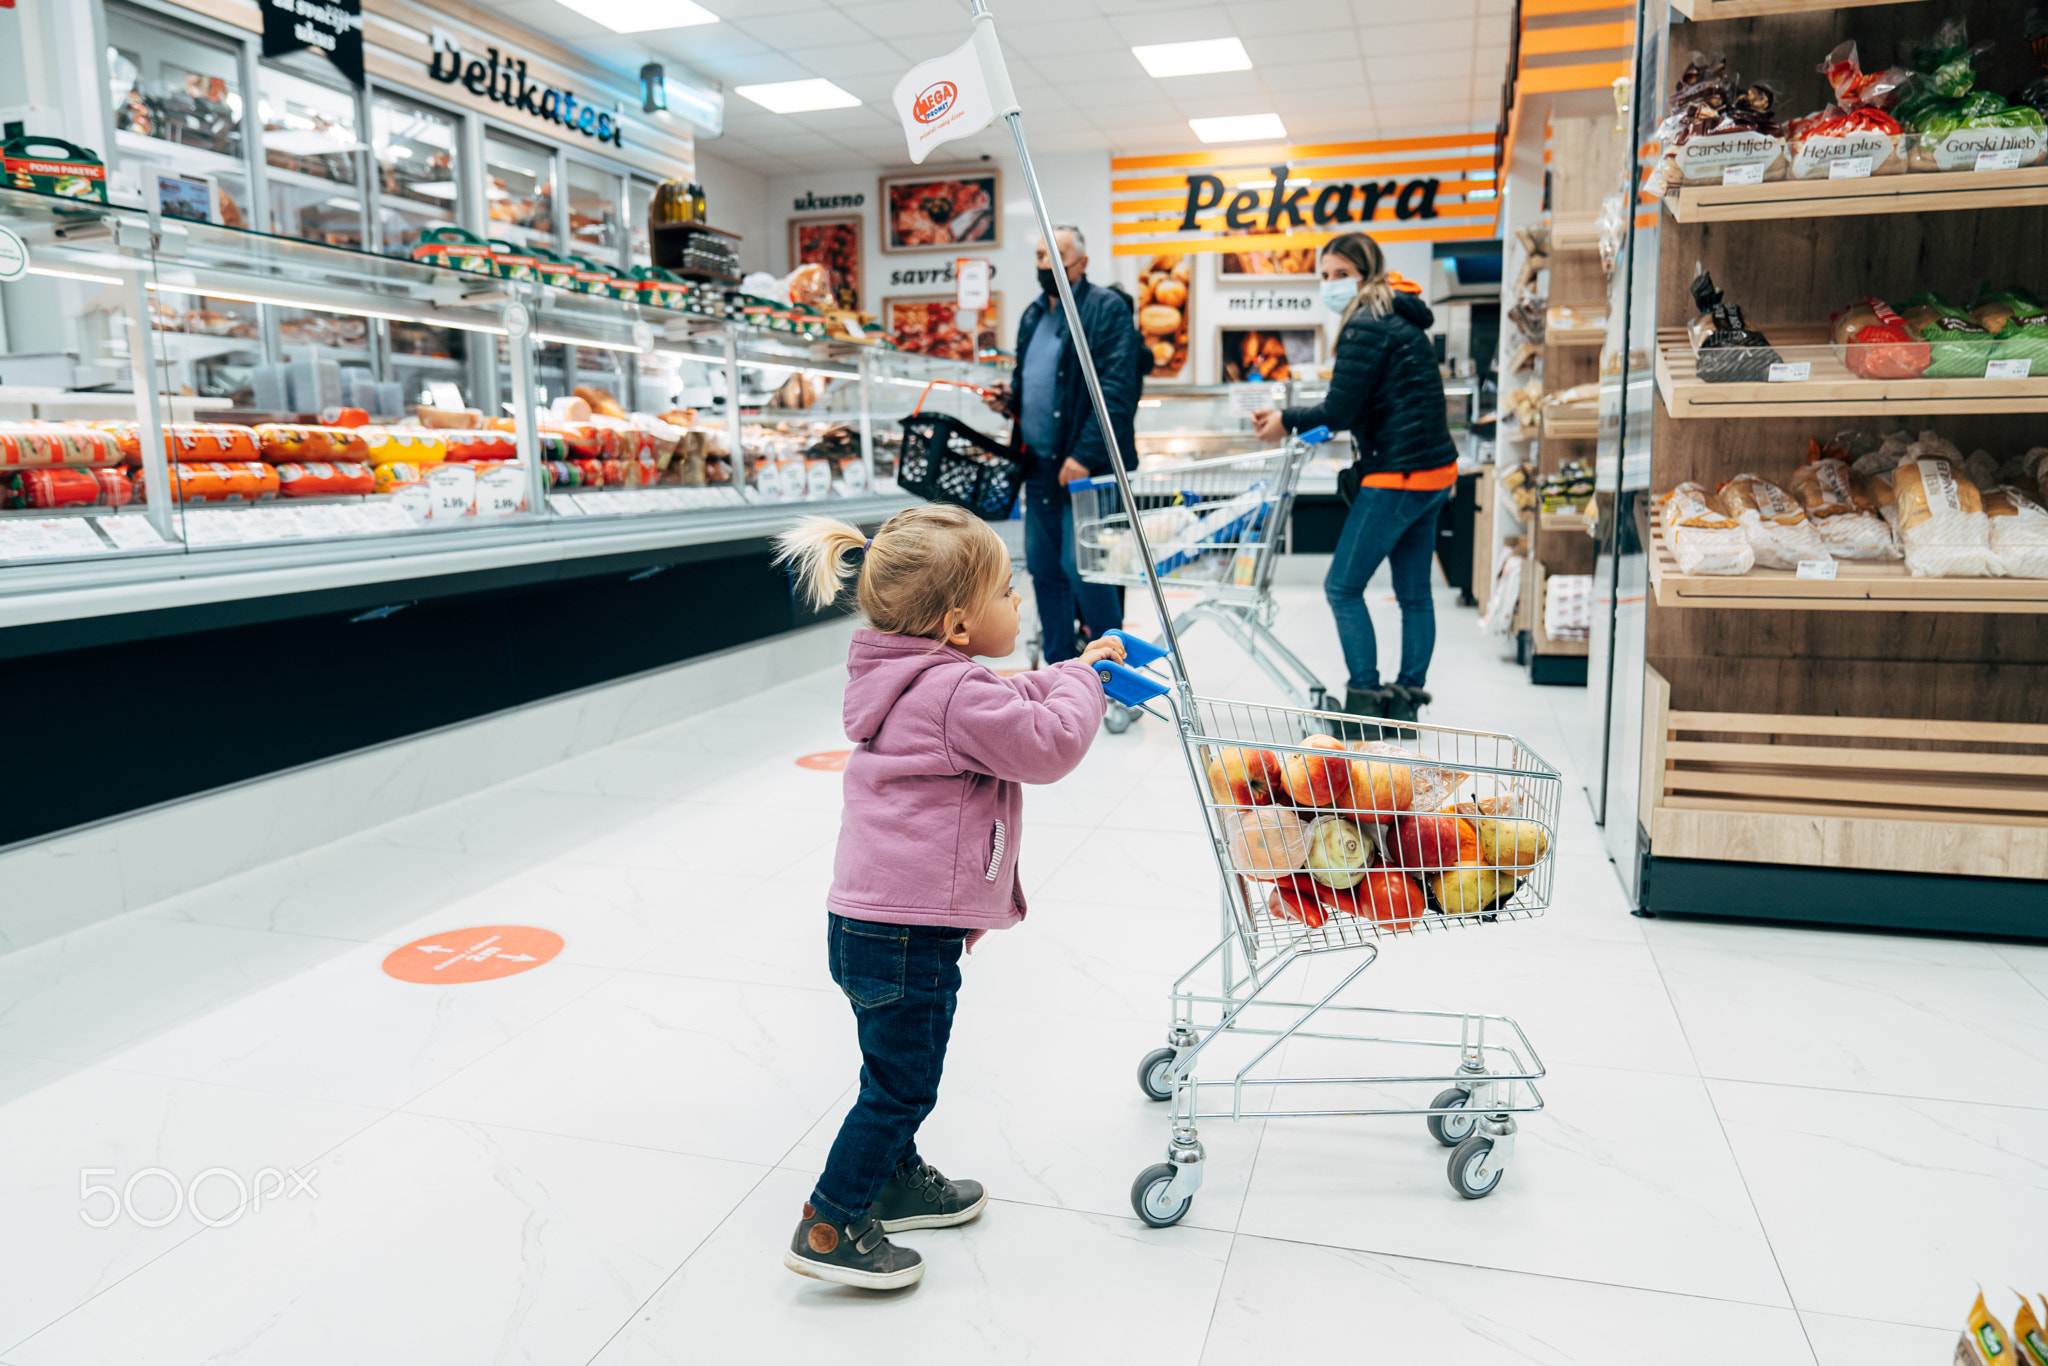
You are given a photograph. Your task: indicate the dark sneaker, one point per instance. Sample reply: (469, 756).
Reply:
(918, 1197)
(855, 1254)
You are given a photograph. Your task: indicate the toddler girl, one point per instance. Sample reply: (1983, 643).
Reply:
(928, 848)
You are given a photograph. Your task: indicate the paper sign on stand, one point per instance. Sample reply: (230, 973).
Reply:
(970, 283)
(1246, 399)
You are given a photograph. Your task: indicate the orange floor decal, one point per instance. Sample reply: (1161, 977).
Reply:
(478, 954)
(827, 761)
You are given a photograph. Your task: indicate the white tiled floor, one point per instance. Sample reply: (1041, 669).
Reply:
(1762, 1145)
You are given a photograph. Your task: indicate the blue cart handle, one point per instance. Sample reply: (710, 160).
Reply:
(1137, 653)
(1126, 685)
(1314, 436)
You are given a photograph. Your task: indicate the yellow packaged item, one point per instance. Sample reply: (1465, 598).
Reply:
(1983, 1342)
(391, 475)
(2029, 1344)
(405, 445)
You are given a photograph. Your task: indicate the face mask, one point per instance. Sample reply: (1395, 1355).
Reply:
(1338, 293)
(1047, 283)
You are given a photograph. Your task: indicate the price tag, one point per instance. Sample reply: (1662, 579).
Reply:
(1744, 175)
(564, 505)
(854, 475)
(1246, 399)
(48, 538)
(1816, 569)
(970, 283)
(131, 533)
(852, 326)
(2005, 159)
(1849, 168)
(1791, 372)
(2010, 369)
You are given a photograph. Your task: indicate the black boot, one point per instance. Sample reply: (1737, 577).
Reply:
(1406, 704)
(1369, 705)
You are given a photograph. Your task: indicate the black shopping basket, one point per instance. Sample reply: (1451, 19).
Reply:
(947, 461)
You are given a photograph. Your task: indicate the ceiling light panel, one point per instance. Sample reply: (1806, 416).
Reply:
(1237, 128)
(642, 16)
(798, 97)
(1193, 59)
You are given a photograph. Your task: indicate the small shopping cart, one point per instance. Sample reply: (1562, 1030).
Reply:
(1215, 525)
(1333, 835)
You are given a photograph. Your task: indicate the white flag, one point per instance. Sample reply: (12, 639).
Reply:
(956, 95)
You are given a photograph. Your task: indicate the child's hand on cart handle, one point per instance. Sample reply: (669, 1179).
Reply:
(1109, 647)
(1269, 426)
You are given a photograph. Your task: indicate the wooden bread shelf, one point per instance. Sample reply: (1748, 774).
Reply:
(1546, 644)
(1909, 193)
(1967, 798)
(1570, 427)
(1831, 390)
(1565, 521)
(1565, 326)
(1575, 232)
(1859, 586)
(1746, 9)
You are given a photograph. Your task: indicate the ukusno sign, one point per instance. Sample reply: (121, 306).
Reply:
(1279, 198)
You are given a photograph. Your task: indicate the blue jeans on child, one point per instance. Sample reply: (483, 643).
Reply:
(903, 982)
(1399, 527)
(1056, 577)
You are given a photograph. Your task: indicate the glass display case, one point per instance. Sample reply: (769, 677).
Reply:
(176, 95)
(312, 154)
(358, 423)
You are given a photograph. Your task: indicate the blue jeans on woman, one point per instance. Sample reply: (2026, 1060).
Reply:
(1399, 527)
(903, 982)
(1056, 575)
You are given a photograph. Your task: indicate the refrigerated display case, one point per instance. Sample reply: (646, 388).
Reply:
(416, 148)
(312, 152)
(176, 95)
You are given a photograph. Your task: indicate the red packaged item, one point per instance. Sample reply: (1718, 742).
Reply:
(481, 445)
(319, 479)
(1885, 348)
(1854, 137)
(580, 440)
(284, 441)
(50, 488)
(614, 473)
(591, 473)
(247, 481)
(56, 443)
(116, 488)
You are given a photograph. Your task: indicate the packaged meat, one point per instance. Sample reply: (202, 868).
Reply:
(1717, 125)
(1842, 511)
(285, 441)
(319, 479)
(390, 476)
(479, 445)
(1959, 347)
(2019, 322)
(406, 445)
(1953, 121)
(57, 443)
(1703, 538)
(1779, 531)
(55, 487)
(241, 481)
(2019, 531)
(193, 442)
(1942, 526)
(1882, 348)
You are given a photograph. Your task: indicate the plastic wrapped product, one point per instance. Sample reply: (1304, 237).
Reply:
(2019, 532)
(1956, 122)
(284, 441)
(1960, 348)
(1980, 469)
(1715, 125)
(191, 441)
(1703, 538)
(407, 445)
(1879, 458)
(473, 446)
(58, 443)
(1842, 510)
(50, 488)
(1856, 126)
(388, 477)
(1779, 531)
(1942, 526)
(1882, 347)
(242, 481)
(2020, 323)
(318, 479)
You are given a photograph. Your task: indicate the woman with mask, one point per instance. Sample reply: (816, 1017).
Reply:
(1386, 391)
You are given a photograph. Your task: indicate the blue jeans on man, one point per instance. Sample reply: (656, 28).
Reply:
(1397, 526)
(1056, 578)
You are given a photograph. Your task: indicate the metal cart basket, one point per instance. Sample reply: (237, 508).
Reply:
(1216, 525)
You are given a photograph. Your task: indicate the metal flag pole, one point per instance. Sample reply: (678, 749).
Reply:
(992, 63)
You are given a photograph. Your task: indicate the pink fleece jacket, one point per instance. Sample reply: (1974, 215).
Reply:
(934, 805)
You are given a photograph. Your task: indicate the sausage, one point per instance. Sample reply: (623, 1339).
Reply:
(284, 441)
(318, 479)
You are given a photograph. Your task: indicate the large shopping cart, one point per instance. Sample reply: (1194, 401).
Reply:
(1330, 838)
(1217, 526)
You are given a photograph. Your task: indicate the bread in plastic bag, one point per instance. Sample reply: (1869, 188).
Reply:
(2019, 531)
(1704, 539)
(1942, 526)
(1843, 512)
(1780, 533)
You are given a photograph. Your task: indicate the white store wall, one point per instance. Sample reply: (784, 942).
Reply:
(736, 199)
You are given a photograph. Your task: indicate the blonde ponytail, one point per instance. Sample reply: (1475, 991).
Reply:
(924, 562)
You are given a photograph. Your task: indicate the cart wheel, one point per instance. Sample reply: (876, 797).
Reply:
(1117, 718)
(1148, 1197)
(1450, 1130)
(1155, 1074)
(1471, 1174)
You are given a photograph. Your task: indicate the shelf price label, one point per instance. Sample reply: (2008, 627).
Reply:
(1816, 569)
(2010, 369)
(2004, 159)
(1849, 168)
(1791, 372)
(1752, 174)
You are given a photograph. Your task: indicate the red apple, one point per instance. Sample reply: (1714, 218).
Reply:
(1319, 779)
(1431, 842)
(1244, 777)
(1382, 786)
(1385, 896)
(1290, 903)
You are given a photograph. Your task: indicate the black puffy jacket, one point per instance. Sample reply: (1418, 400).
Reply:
(1385, 391)
(1114, 343)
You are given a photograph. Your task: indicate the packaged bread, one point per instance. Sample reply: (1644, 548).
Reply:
(58, 443)
(1942, 526)
(1842, 511)
(2019, 531)
(1703, 538)
(289, 441)
(320, 479)
(221, 481)
(407, 445)
(1779, 531)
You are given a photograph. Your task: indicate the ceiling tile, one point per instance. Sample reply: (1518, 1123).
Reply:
(1369, 12)
(1068, 41)
(1416, 66)
(808, 28)
(1289, 16)
(1426, 99)
(1187, 24)
(1274, 49)
(1331, 80)
(765, 69)
(1117, 64)
(1231, 88)
(1386, 40)
(844, 61)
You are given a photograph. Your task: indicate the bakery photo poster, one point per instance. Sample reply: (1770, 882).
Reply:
(922, 211)
(833, 243)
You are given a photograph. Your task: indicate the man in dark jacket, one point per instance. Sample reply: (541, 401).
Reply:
(1385, 390)
(1056, 423)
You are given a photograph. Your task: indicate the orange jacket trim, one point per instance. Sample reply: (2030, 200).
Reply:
(1416, 481)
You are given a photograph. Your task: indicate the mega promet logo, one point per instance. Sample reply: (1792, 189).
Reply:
(934, 101)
